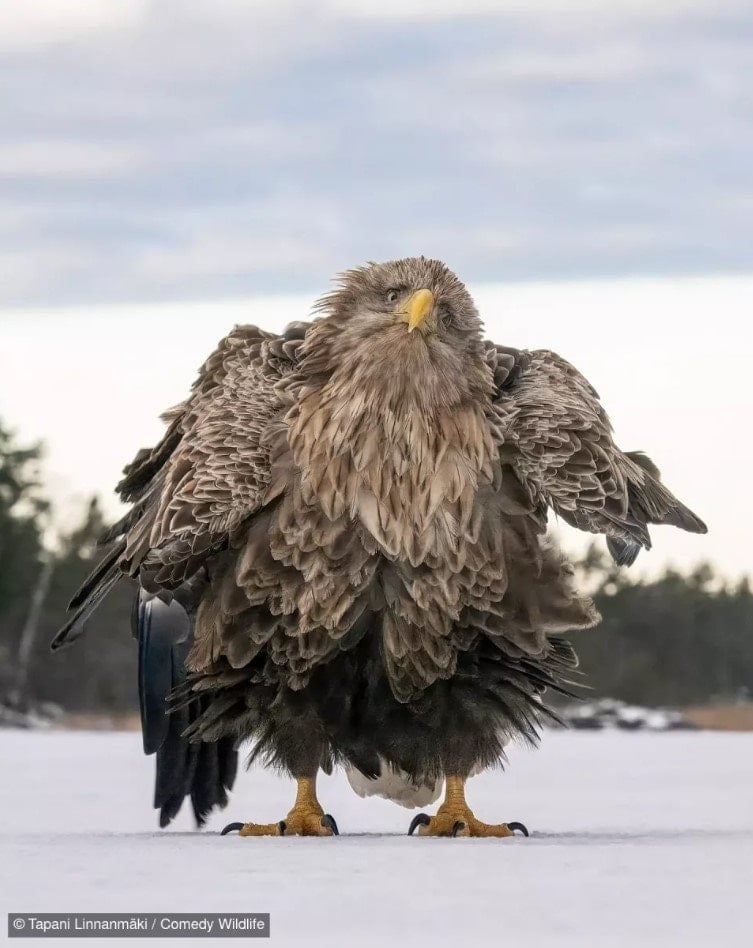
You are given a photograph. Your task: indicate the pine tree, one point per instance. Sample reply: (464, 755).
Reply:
(23, 513)
(97, 673)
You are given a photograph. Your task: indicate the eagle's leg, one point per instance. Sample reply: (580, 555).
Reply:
(307, 818)
(455, 818)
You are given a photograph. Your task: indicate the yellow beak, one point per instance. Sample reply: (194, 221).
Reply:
(418, 307)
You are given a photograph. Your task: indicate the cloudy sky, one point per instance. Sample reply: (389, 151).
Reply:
(190, 149)
(171, 167)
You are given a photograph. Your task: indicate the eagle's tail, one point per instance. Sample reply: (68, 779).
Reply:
(394, 785)
(203, 771)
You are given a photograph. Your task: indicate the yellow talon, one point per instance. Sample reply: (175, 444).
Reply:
(455, 818)
(307, 818)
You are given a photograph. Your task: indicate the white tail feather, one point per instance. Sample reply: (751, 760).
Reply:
(394, 785)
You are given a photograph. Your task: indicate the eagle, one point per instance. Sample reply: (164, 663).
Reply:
(342, 557)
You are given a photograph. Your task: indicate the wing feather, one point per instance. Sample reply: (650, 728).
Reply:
(555, 434)
(209, 473)
(218, 473)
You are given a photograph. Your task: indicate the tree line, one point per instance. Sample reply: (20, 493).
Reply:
(668, 641)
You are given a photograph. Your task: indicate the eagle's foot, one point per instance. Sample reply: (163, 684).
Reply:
(307, 818)
(299, 822)
(455, 818)
(461, 822)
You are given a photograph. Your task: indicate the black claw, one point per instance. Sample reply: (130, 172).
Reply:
(231, 828)
(458, 825)
(329, 823)
(519, 826)
(282, 826)
(420, 819)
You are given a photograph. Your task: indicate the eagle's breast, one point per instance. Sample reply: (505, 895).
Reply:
(385, 514)
(408, 480)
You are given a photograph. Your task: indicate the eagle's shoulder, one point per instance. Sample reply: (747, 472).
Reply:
(516, 369)
(507, 366)
(248, 363)
(252, 351)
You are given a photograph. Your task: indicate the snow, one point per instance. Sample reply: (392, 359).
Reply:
(637, 839)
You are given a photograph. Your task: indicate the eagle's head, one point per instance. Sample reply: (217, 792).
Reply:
(388, 419)
(402, 333)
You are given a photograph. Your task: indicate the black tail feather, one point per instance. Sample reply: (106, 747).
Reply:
(215, 773)
(203, 771)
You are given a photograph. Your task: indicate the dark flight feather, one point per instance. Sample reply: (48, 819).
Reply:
(623, 552)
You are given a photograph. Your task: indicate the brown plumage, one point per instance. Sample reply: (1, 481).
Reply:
(353, 515)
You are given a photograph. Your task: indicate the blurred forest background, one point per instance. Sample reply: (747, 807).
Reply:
(673, 641)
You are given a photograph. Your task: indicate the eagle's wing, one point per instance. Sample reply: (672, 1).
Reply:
(556, 436)
(216, 465)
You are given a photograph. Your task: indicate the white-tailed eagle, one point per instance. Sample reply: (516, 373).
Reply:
(341, 552)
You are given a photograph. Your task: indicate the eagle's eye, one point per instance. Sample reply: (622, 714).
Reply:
(445, 316)
(391, 296)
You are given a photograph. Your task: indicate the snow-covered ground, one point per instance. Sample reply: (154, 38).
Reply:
(637, 839)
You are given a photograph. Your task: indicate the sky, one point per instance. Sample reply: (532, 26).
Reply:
(195, 149)
(171, 167)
